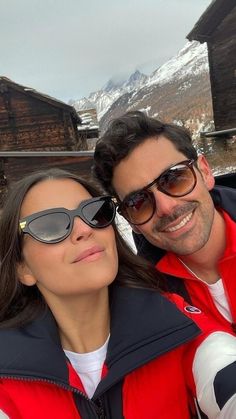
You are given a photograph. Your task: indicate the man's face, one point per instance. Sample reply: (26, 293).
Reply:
(181, 225)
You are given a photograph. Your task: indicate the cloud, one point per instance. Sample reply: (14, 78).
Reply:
(70, 48)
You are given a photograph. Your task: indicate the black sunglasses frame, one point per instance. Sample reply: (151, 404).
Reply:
(121, 206)
(24, 223)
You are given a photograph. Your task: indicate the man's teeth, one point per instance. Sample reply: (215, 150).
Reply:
(181, 224)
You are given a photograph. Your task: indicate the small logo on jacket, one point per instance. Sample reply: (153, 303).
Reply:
(192, 309)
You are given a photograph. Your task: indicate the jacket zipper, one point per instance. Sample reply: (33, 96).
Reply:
(98, 410)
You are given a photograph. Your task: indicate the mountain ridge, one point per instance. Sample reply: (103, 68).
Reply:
(178, 91)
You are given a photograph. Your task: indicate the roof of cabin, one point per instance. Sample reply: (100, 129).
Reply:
(40, 96)
(210, 20)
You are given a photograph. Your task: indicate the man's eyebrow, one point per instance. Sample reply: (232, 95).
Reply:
(131, 194)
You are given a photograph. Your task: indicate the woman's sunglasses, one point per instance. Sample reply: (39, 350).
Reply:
(177, 181)
(54, 225)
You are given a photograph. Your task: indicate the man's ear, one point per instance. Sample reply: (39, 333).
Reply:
(25, 275)
(206, 172)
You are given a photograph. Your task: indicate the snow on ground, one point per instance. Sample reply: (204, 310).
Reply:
(126, 231)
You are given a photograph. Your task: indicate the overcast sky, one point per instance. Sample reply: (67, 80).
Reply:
(69, 48)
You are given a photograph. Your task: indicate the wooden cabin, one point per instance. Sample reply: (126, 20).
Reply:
(33, 121)
(14, 164)
(217, 27)
(37, 132)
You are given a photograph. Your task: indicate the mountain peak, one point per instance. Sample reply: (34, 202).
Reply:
(135, 80)
(188, 63)
(136, 75)
(113, 84)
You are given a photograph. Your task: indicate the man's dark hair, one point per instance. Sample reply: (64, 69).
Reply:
(125, 133)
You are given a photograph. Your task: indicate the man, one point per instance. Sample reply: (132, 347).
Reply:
(166, 192)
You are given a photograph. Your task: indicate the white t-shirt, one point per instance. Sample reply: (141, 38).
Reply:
(89, 366)
(218, 294)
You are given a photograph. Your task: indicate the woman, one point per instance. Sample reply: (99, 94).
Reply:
(83, 336)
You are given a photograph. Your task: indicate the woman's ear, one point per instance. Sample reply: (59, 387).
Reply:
(205, 170)
(25, 275)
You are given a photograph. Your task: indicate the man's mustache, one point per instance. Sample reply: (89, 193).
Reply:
(165, 220)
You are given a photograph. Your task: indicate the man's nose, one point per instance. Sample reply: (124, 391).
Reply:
(165, 204)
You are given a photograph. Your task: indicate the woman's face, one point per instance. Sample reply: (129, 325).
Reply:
(83, 263)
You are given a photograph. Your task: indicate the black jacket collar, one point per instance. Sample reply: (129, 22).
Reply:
(225, 198)
(33, 351)
(144, 325)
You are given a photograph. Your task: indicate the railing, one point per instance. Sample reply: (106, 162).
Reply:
(46, 153)
(226, 133)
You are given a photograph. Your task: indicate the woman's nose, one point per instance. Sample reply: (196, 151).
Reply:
(80, 230)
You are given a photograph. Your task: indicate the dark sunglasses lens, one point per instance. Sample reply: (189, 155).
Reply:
(99, 213)
(178, 181)
(50, 227)
(139, 208)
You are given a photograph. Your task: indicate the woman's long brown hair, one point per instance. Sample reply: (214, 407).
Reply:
(20, 304)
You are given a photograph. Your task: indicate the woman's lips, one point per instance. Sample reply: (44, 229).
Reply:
(89, 254)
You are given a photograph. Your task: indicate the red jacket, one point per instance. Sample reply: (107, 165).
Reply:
(180, 279)
(149, 360)
(198, 290)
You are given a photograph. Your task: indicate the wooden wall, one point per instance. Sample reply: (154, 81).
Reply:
(14, 168)
(222, 61)
(28, 123)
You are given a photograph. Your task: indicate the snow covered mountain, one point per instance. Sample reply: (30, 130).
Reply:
(191, 60)
(103, 98)
(178, 91)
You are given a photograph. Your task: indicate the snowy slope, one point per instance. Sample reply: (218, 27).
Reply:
(191, 60)
(105, 97)
(178, 91)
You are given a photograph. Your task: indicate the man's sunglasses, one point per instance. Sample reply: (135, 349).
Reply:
(177, 181)
(54, 225)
